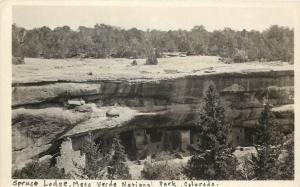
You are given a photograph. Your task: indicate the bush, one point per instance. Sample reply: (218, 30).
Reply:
(160, 171)
(162, 156)
(134, 63)
(239, 56)
(226, 60)
(37, 170)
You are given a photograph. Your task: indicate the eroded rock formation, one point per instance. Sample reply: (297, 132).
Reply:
(41, 118)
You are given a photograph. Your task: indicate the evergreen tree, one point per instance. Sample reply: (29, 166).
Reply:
(201, 165)
(211, 123)
(269, 140)
(117, 167)
(96, 161)
(225, 163)
(265, 163)
(268, 131)
(212, 159)
(104, 164)
(152, 57)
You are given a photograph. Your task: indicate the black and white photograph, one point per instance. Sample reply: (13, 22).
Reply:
(158, 92)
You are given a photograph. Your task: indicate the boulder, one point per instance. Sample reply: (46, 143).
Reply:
(113, 113)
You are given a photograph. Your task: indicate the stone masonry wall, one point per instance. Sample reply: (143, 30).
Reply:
(70, 160)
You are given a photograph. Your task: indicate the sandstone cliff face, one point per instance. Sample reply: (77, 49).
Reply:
(35, 130)
(40, 118)
(24, 95)
(239, 92)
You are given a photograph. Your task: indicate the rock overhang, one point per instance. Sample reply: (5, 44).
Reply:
(158, 98)
(99, 123)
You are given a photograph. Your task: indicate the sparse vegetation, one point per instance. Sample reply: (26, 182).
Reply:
(286, 169)
(160, 171)
(39, 170)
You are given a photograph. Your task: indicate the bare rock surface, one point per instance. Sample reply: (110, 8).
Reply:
(37, 94)
(76, 70)
(34, 130)
(147, 95)
(99, 120)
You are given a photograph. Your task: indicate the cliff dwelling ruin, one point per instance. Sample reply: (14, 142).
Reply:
(151, 114)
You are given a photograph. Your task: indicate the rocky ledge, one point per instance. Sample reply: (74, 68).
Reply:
(52, 99)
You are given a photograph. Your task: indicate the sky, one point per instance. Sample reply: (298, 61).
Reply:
(149, 17)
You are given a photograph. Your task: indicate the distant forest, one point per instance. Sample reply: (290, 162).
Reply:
(104, 41)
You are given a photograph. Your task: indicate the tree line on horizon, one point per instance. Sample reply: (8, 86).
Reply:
(276, 43)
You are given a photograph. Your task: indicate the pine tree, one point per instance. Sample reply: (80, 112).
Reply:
(117, 167)
(265, 163)
(213, 158)
(214, 130)
(201, 165)
(152, 57)
(225, 163)
(268, 132)
(103, 164)
(96, 161)
(269, 140)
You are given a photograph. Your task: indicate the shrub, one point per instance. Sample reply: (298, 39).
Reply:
(160, 171)
(134, 63)
(37, 170)
(164, 155)
(226, 60)
(239, 56)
